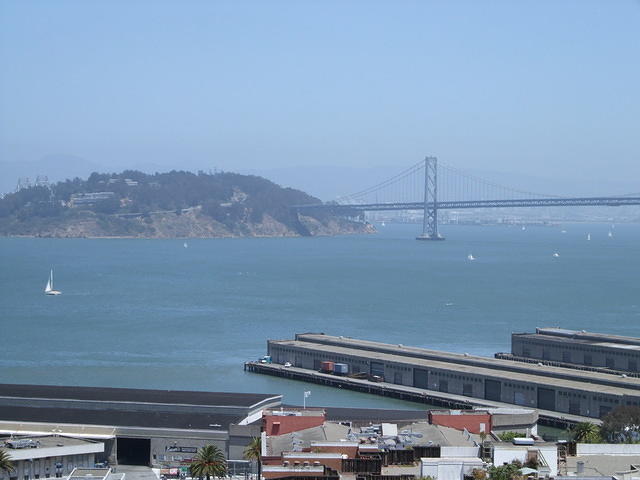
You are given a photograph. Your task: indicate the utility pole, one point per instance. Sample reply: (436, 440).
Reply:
(430, 219)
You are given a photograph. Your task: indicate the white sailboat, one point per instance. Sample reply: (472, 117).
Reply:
(471, 258)
(588, 236)
(610, 234)
(48, 290)
(556, 255)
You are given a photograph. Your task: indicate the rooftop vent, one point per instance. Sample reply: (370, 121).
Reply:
(21, 443)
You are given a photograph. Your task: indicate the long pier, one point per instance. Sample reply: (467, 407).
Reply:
(404, 392)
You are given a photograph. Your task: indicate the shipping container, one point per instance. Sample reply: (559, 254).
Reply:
(326, 367)
(341, 369)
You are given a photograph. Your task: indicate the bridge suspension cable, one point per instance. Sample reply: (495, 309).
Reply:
(453, 184)
(429, 187)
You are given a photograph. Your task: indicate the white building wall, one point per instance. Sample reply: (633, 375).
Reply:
(43, 468)
(449, 468)
(607, 449)
(450, 471)
(429, 470)
(454, 452)
(507, 454)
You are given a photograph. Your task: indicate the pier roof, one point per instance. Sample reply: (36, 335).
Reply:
(576, 381)
(116, 418)
(593, 341)
(135, 395)
(583, 335)
(371, 347)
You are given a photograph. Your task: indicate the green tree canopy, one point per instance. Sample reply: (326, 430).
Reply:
(622, 425)
(508, 436)
(209, 462)
(510, 471)
(6, 465)
(586, 432)
(254, 451)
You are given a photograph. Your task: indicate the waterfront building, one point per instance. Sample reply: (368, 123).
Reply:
(545, 387)
(160, 428)
(48, 456)
(578, 348)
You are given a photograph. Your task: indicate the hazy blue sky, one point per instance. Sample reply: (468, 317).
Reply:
(547, 88)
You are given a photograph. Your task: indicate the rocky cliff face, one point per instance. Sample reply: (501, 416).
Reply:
(192, 224)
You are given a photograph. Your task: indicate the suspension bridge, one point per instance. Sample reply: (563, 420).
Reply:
(431, 187)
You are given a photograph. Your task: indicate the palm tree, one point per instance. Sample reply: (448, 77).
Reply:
(6, 464)
(586, 432)
(254, 451)
(209, 462)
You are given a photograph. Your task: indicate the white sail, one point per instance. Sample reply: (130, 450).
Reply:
(48, 290)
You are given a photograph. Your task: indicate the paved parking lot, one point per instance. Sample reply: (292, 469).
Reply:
(136, 472)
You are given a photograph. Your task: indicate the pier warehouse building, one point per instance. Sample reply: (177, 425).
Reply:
(144, 427)
(578, 348)
(576, 392)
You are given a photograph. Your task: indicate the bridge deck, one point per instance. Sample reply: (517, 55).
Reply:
(457, 205)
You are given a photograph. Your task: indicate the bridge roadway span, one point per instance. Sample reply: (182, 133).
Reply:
(412, 394)
(458, 205)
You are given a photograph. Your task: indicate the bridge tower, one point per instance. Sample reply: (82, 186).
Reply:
(430, 221)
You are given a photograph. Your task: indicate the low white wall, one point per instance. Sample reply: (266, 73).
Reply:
(608, 449)
(459, 451)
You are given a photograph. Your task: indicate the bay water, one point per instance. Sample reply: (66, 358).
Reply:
(154, 314)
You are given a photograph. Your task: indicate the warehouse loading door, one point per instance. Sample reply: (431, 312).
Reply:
(134, 451)
(377, 368)
(492, 390)
(546, 399)
(420, 378)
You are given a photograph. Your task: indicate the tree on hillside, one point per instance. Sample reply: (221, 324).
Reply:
(253, 452)
(586, 432)
(6, 465)
(622, 425)
(209, 462)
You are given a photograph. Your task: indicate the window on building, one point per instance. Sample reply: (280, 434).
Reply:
(610, 362)
(587, 359)
(633, 365)
(566, 357)
(467, 390)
